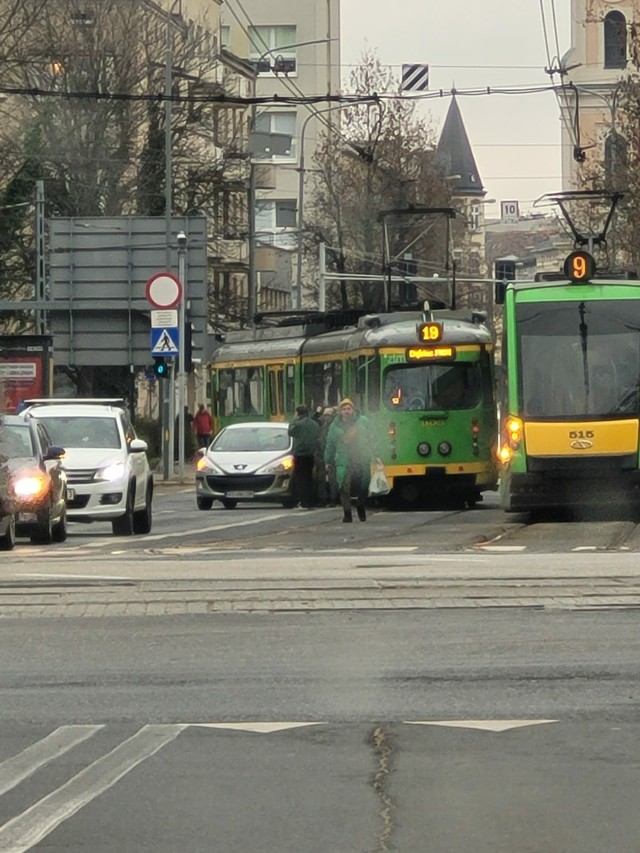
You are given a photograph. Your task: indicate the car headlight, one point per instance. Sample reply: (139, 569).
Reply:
(284, 465)
(30, 486)
(207, 466)
(112, 472)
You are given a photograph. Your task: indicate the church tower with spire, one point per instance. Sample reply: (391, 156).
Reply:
(594, 66)
(461, 172)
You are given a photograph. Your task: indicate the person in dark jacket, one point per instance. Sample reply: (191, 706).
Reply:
(326, 486)
(304, 433)
(349, 450)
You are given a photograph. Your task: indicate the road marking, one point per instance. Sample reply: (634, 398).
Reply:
(29, 828)
(260, 728)
(483, 725)
(504, 548)
(402, 548)
(585, 548)
(20, 767)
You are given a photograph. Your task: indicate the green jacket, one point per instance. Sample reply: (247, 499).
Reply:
(349, 446)
(304, 432)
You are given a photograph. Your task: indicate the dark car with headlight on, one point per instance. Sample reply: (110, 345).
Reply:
(246, 462)
(34, 488)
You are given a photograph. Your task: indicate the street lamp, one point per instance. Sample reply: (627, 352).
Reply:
(258, 143)
(357, 148)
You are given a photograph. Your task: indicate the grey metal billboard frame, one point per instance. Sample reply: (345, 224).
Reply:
(97, 310)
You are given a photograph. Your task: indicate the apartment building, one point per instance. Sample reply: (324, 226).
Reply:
(295, 48)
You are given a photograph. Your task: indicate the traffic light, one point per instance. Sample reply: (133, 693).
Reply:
(505, 270)
(161, 367)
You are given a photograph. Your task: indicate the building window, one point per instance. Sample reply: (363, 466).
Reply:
(615, 40)
(270, 49)
(274, 222)
(225, 34)
(279, 122)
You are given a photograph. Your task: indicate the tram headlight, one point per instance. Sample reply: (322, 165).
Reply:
(424, 448)
(504, 454)
(444, 448)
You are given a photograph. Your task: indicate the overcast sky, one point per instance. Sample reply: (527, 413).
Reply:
(475, 44)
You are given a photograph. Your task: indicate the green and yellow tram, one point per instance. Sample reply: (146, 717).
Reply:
(571, 402)
(425, 381)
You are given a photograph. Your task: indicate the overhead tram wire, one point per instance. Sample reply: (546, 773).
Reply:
(551, 71)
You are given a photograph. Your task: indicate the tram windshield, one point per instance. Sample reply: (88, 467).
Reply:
(433, 387)
(579, 359)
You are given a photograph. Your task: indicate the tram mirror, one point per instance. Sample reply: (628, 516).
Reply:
(499, 291)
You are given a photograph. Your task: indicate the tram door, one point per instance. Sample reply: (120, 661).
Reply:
(275, 384)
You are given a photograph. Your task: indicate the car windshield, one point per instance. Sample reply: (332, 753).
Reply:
(79, 431)
(15, 441)
(251, 440)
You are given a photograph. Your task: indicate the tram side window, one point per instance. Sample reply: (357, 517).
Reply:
(241, 392)
(322, 384)
(364, 382)
(290, 389)
(274, 375)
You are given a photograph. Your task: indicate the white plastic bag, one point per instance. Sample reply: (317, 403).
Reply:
(379, 484)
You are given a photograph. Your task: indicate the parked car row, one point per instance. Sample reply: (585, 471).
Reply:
(77, 460)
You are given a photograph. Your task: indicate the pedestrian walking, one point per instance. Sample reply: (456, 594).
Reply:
(326, 486)
(349, 452)
(188, 435)
(304, 432)
(202, 426)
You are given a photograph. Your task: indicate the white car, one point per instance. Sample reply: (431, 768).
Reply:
(108, 475)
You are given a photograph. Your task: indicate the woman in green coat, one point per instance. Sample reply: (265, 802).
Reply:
(349, 451)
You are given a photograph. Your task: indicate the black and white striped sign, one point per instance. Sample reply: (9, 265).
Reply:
(415, 78)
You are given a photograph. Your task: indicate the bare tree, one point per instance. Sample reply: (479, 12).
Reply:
(377, 157)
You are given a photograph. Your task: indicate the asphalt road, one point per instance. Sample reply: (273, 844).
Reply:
(259, 679)
(358, 732)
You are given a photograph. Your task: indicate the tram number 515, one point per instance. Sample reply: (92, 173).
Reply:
(581, 433)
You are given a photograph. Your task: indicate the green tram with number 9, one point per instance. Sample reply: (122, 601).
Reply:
(571, 403)
(424, 380)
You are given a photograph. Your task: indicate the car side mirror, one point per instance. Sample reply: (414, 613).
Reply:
(54, 452)
(137, 446)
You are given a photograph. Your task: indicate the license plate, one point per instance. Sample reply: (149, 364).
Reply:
(239, 494)
(71, 494)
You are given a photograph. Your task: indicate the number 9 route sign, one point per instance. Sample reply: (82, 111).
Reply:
(164, 290)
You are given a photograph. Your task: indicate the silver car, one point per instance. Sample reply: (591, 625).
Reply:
(246, 462)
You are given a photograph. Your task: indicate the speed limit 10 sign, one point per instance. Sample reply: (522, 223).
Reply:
(164, 290)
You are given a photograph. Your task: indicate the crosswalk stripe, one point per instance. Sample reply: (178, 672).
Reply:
(29, 828)
(20, 767)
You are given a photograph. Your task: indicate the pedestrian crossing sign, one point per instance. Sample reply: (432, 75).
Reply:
(164, 341)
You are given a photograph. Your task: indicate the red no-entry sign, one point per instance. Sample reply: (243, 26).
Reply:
(164, 290)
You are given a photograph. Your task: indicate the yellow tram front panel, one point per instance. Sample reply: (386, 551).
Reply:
(581, 438)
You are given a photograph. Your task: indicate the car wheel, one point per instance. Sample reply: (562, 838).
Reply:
(42, 534)
(123, 526)
(204, 503)
(227, 503)
(143, 518)
(60, 529)
(8, 539)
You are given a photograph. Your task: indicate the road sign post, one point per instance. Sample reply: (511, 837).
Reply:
(164, 291)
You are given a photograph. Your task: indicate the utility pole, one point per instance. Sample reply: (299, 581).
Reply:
(166, 393)
(41, 315)
(181, 378)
